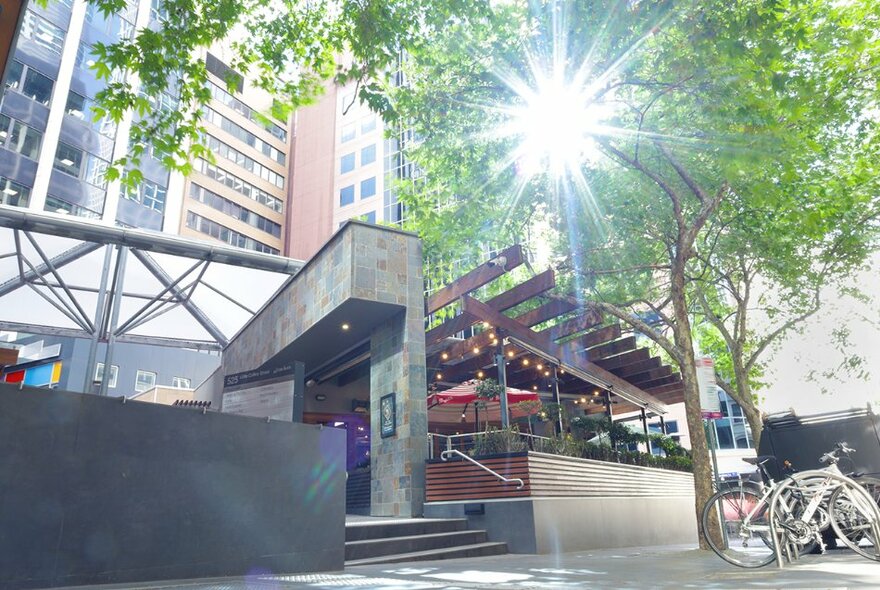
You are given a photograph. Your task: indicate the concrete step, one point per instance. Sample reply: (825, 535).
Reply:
(475, 550)
(361, 531)
(411, 544)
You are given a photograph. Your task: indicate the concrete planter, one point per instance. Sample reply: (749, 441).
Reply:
(567, 504)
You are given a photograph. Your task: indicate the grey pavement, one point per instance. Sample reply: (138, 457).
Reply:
(638, 567)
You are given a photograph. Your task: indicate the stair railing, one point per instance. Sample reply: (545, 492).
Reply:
(454, 452)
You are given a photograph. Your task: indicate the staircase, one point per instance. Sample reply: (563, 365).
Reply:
(414, 539)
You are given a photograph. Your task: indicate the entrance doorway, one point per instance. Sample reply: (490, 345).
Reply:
(357, 455)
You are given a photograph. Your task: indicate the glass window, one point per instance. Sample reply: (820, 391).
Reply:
(13, 193)
(370, 217)
(181, 382)
(346, 163)
(238, 185)
(37, 86)
(368, 155)
(153, 196)
(224, 234)
(368, 124)
(235, 210)
(80, 108)
(368, 187)
(346, 195)
(18, 137)
(243, 134)
(145, 380)
(42, 32)
(82, 165)
(16, 70)
(68, 159)
(348, 132)
(99, 374)
(56, 205)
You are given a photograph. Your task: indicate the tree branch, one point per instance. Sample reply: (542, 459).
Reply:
(682, 173)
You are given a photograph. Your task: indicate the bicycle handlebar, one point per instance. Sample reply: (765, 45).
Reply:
(832, 456)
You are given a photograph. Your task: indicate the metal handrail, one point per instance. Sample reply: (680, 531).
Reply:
(445, 456)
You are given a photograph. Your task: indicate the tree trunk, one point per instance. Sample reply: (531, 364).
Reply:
(703, 489)
(743, 396)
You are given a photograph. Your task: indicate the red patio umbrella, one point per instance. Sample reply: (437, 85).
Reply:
(448, 406)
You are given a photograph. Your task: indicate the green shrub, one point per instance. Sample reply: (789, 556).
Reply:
(495, 441)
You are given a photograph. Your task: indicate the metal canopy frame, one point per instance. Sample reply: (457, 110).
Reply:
(41, 273)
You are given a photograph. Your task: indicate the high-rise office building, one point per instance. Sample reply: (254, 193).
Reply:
(54, 157)
(346, 162)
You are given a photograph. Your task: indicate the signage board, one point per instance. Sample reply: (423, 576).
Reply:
(275, 393)
(387, 415)
(710, 404)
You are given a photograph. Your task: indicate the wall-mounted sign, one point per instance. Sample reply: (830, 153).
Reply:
(709, 401)
(275, 393)
(387, 415)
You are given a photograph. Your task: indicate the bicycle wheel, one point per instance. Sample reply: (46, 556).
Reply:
(853, 520)
(744, 528)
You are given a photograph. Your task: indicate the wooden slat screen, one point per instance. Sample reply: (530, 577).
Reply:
(548, 475)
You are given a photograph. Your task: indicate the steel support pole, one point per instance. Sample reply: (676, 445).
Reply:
(645, 428)
(558, 401)
(100, 311)
(502, 380)
(118, 280)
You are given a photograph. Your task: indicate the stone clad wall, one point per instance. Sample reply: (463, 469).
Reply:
(321, 286)
(369, 263)
(397, 365)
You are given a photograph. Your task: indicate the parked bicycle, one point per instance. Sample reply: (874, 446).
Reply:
(803, 507)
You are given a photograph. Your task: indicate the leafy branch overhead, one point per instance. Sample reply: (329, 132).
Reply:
(289, 48)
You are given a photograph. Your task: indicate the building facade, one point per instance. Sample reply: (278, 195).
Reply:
(346, 162)
(54, 156)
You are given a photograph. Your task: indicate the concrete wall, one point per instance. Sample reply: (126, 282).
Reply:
(94, 490)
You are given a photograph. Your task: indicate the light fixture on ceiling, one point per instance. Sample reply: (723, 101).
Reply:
(583, 400)
(539, 366)
(439, 376)
(510, 353)
(535, 387)
(320, 397)
(476, 350)
(480, 374)
(525, 362)
(345, 327)
(492, 336)
(444, 356)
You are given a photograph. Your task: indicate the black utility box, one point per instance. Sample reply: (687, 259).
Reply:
(801, 440)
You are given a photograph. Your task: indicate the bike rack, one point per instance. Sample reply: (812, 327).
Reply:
(782, 547)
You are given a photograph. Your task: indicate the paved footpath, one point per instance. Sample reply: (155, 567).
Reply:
(638, 567)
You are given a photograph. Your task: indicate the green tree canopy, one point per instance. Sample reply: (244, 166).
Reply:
(731, 170)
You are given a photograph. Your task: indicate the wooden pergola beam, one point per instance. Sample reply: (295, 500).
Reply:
(612, 348)
(636, 368)
(566, 356)
(597, 337)
(536, 285)
(650, 375)
(552, 309)
(625, 359)
(483, 274)
(582, 322)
